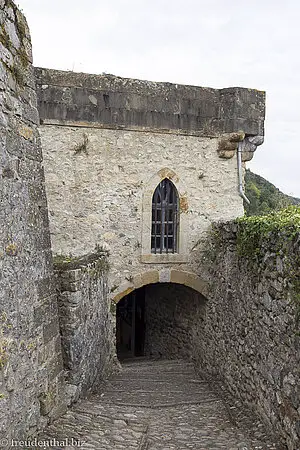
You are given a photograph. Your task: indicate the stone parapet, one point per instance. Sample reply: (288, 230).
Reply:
(108, 101)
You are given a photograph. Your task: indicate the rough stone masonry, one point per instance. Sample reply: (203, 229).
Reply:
(37, 379)
(250, 336)
(108, 142)
(31, 369)
(87, 325)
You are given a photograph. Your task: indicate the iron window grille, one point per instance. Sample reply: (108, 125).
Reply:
(165, 227)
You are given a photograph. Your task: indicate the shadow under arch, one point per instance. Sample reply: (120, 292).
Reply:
(159, 315)
(176, 276)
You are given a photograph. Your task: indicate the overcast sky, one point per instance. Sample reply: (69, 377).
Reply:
(215, 43)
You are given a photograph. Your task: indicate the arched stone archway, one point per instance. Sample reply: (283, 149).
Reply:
(158, 313)
(176, 276)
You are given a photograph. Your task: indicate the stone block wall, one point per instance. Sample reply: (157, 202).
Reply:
(97, 196)
(251, 332)
(30, 355)
(108, 101)
(109, 141)
(173, 320)
(87, 324)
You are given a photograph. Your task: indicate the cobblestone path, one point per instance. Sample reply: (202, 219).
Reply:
(157, 405)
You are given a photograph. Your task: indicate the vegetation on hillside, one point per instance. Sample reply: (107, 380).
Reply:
(264, 196)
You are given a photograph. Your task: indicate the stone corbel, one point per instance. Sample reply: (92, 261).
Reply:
(249, 145)
(228, 144)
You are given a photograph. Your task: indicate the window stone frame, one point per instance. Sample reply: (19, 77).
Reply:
(163, 258)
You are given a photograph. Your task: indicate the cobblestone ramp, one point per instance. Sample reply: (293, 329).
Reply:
(156, 405)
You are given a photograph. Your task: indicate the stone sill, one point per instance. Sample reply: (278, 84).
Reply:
(164, 258)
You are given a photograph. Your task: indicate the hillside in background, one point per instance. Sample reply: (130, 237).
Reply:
(264, 196)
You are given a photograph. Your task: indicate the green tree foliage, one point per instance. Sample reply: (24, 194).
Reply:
(264, 196)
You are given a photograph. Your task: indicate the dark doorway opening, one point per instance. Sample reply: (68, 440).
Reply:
(131, 325)
(161, 320)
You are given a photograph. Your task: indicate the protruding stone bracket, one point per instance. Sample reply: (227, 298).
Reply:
(249, 145)
(228, 144)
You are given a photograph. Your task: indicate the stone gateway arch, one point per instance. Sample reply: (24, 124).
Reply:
(141, 169)
(109, 187)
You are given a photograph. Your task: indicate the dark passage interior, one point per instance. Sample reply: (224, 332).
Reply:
(131, 325)
(159, 320)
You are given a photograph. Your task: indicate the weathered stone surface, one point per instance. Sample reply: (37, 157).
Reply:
(160, 405)
(103, 196)
(119, 140)
(173, 315)
(228, 144)
(250, 335)
(86, 326)
(116, 102)
(27, 298)
(108, 142)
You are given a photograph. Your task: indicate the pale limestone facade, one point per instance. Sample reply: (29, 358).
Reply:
(102, 195)
(109, 141)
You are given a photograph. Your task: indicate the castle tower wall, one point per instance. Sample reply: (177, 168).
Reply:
(108, 142)
(30, 354)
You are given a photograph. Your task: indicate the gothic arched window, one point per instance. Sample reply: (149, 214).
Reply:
(164, 218)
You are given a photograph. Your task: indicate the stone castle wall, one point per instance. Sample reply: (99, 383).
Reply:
(86, 323)
(108, 101)
(251, 329)
(31, 372)
(173, 320)
(109, 141)
(97, 197)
